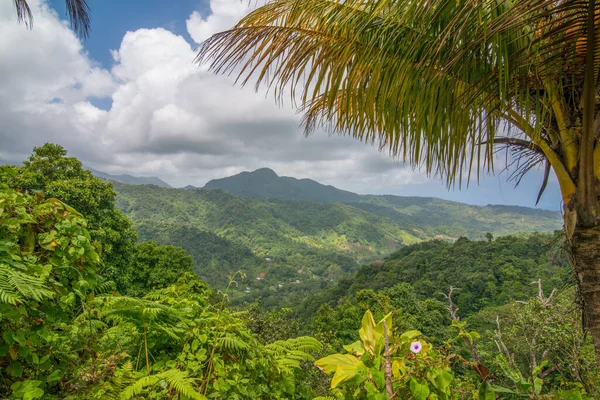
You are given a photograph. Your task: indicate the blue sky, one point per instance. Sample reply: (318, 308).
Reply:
(129, 100)
(112, 18)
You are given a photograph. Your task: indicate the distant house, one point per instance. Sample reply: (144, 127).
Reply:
(268, 259)
(261, 275)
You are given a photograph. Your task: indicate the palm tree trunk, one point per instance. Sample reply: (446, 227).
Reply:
(585, 247)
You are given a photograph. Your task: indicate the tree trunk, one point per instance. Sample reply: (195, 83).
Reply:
(585, 246)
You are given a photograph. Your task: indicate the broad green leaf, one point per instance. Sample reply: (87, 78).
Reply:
(442, 379)
(53, 377)
(573, 394)
(345, 372)
(398, 369)
(330, 363)
(420, 391)
(409, 335)
(485, 392)
(367, 332)
(355, 348)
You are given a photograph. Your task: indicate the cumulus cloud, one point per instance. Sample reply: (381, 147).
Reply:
(168, 117)
(225, 14)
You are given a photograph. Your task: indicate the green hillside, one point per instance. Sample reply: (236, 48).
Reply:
(431, 216)
(265, 183)
(294, 240)
(487, 273)
(449, 218)
(278, 243)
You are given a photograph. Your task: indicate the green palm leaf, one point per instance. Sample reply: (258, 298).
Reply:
(77, 10)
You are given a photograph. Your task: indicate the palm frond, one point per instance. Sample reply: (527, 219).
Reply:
(24, 14)
(429, 81)
(77, 10)
(79, 15)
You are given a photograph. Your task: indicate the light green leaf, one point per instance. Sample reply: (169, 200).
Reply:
(355, 348)
(367, 332)
(330, 363)
(420, 391)
(344, 373)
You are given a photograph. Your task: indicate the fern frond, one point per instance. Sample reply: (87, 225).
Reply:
(231, 343)
(17, 285)
(104, 288)
(290, 353)
(174, 378)
(305, 344)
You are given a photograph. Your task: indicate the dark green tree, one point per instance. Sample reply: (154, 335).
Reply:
(156, 267)
(51, 173)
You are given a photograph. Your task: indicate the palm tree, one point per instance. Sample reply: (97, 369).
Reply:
(445, 84)
(78, 11)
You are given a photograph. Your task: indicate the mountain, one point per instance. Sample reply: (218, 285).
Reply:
(435, 217)
(297, 239)
(129, 179)
(281, 242)
(265, 183)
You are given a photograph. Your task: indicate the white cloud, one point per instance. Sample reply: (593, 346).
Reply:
(225, 14)
(168, 117)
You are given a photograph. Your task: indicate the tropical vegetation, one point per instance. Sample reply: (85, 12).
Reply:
(432, 320)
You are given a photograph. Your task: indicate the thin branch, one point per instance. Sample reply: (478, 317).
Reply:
(388, 363)
(452, 308)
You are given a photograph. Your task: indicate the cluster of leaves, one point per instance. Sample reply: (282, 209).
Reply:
(382, 365)
(48, 273)
(48, 170)
(67, 334)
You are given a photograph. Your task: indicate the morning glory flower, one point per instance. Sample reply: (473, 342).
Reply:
(416, 347)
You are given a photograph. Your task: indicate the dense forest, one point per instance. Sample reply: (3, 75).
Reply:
(95, 305)
(248, 222)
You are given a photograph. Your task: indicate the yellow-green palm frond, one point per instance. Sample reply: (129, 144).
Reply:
(431, 81)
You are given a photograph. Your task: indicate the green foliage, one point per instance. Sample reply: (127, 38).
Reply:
(155, 267)
(381, 364)
(49, 172)
(542, 347)
(69, 332)
(294, 247)
(49, 270)
(488, 273)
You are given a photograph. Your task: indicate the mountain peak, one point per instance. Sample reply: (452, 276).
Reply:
(266, 172)
(265, 183)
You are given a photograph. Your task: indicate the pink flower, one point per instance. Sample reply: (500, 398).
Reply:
(416, 347)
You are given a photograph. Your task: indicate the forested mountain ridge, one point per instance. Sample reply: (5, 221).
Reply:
(433, 215)
(130, 179)
(281, 242)
(265, 183)
(297, 239)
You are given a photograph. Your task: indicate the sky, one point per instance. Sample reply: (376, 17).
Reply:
(129, 99)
